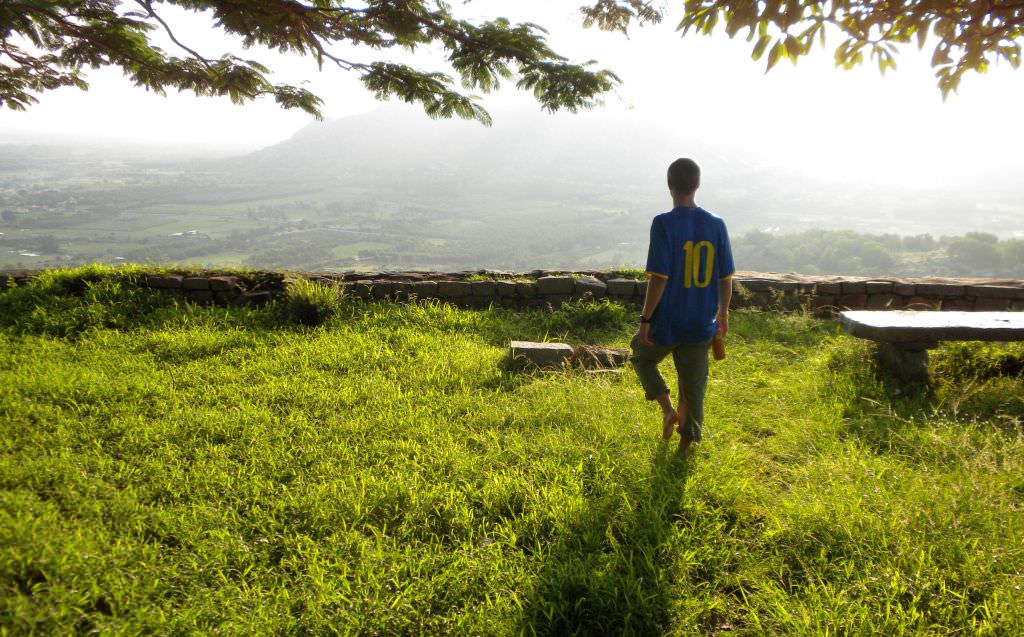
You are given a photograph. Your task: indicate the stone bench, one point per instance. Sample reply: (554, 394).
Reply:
(904, 337)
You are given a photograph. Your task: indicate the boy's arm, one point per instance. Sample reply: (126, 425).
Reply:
(655, 289)
(724, 298)
(726, 268)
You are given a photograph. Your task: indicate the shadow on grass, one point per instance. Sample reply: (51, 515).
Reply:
(973, 384)
(612, 572)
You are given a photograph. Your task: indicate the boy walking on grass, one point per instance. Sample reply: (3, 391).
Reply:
(689, 267)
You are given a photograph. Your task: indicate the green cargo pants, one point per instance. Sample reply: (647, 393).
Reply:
(691, 360)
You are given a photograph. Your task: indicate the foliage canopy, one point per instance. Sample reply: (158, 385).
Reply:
(46, 44)
(968, 35)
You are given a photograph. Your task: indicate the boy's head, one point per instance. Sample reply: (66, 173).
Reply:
(683, 177)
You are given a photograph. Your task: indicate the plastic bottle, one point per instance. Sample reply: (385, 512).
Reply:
(718, 347)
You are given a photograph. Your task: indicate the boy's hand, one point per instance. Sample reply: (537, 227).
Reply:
(723, 326)
(645, 334)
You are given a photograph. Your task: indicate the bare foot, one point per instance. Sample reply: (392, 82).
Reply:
(668, 424)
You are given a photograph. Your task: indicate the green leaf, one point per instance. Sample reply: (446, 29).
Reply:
(793, 48)
(762, 44)
(941, 56)
(922, 35)
(774, 55)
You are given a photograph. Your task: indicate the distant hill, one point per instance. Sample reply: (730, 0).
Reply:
(618, 158)
(523, 154)
(395, 189)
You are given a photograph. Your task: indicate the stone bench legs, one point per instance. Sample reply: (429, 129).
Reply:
(907, 362)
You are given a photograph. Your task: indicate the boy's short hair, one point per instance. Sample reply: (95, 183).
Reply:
(684, 176)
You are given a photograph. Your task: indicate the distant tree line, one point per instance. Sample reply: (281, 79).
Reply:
(975, 254)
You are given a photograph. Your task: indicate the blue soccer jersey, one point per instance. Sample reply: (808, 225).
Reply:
(689, 247)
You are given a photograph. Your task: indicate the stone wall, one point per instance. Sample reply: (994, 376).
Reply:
(823, 295)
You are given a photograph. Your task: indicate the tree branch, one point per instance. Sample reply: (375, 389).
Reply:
(6, 47)
(148, 6)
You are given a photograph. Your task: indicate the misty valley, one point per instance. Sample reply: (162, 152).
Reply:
(389, 190)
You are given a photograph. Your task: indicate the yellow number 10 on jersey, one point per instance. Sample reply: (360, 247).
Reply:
(697, 255)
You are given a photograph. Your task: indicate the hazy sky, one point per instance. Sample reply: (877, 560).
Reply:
(816, 117)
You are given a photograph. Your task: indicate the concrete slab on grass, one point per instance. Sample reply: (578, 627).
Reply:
(525, 354)
(593, 357)
(904, 337)
(904, 326)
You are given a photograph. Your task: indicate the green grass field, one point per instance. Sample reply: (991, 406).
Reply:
(170, 469)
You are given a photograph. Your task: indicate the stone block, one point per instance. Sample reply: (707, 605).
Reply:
(959, 305)
(905, 362)
(525, 355)
(165, 281)
(739, 300)
(256, 298)
(556, 300)
(881, 301)
(982, 304)
(224, 297)
(223, 283)
(424, 289)
(590, 285)
(760, 300)
(834, 288)
(1017, 306)
(915, 330)
(526, 289)
(905, 289)
(483, 288)
(943, 290)
(621, 287)
(202, 296)
(641, 289)
(594, 357)
(791, 302)
(505, 289)
(786, 287)
(994, 291)
(400, 290)
(196, 283)
(878, 287)
(921, 303)
(853, 301)
(453, 289)
(547, 285)
(383, 289)
(756, 285)
(851, 288)
(823, 305)
(362, 289)
(475, 301)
